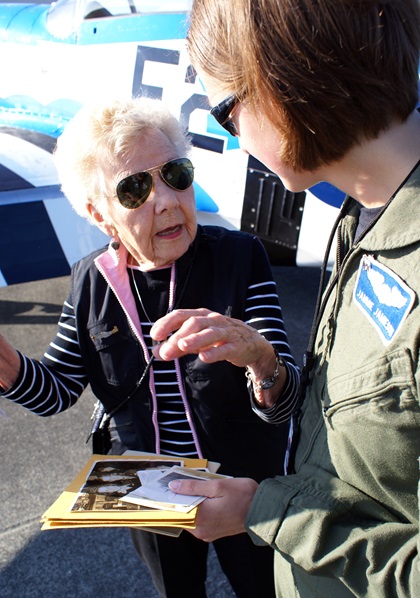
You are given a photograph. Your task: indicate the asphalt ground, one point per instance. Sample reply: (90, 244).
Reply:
(40, 456)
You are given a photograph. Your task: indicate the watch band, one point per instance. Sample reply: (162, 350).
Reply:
(269, 382)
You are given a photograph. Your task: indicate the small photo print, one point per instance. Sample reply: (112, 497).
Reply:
(108, 481)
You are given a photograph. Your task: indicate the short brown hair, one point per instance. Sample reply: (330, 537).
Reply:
(327, 73)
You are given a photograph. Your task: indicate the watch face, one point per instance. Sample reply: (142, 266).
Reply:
(267, 383)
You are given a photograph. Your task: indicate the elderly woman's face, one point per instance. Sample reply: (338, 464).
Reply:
(161, 230)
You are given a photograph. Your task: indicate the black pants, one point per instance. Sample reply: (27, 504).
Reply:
(178, 566)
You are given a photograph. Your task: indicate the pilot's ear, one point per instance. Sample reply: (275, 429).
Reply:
(99, 220)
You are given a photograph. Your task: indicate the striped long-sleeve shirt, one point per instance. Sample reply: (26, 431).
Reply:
(55, 383)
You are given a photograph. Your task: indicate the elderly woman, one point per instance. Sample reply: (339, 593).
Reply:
(125, 166)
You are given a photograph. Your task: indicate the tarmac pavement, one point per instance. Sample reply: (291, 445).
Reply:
(40, 456)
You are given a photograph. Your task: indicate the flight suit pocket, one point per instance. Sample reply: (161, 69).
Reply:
(384, 383)
(372, 422)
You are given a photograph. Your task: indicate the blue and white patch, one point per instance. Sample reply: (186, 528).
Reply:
(383, 297)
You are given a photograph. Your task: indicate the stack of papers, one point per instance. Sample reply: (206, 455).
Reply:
(128, 491)
(154, 491)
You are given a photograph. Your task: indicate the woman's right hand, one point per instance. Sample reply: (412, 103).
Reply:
(216, 337)
(212, 336)
(224, 511)
(9, 364)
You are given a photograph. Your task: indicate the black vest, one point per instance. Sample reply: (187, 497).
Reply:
(214, 273)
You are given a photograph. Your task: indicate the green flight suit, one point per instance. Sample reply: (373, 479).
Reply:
(346, 523)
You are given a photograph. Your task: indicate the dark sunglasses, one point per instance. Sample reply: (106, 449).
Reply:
(223, 113)
(133, 191)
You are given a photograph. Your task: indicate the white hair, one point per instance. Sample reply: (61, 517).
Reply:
(101, 138)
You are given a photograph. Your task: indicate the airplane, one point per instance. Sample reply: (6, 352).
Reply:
(58, 56)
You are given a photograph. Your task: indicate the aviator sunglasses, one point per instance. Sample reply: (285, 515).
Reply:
(223, 113)
(133, 190)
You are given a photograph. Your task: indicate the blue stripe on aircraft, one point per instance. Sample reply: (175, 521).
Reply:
(214, 128)
(10, 181)
(203, 201)
(47, 125)
(26, 23)
(328, 194)
(133, 28)
(25, 112)
(31, 250)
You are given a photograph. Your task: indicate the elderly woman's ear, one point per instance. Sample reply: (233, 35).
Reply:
(97, 218)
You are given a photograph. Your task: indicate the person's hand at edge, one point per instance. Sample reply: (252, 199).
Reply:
(9, 364)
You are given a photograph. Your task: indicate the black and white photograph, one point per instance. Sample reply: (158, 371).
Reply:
(108, 481)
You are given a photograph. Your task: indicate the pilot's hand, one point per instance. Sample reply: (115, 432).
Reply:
(9, 364)
(223, 513)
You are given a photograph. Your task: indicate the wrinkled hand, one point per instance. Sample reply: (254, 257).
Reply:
(210, 335)
(9, 364)
(223, 513)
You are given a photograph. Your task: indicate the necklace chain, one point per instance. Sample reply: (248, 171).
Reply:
(171, 292)
(139, 296)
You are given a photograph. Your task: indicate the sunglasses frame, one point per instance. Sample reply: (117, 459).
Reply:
(141, 200)
(223, 113)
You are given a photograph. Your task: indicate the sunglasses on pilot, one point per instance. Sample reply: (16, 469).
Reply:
(223, 114)
(133, 190)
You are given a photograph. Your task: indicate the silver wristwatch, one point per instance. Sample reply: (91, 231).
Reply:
(271, 380)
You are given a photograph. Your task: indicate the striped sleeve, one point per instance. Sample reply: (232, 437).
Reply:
(54, 383)
(263, 312)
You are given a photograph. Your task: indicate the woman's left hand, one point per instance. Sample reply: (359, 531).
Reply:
(212, 336)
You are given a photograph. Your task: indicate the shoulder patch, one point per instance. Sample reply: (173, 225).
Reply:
(383, 297)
